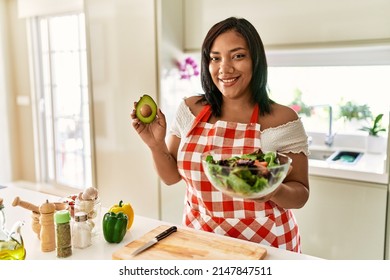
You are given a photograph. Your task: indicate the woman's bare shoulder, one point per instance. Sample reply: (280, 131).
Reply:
(280, 114)
(194, 104)
(283, 112)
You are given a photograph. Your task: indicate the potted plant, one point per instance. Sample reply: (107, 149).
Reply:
(374, 142)
(351, 110)
(376, 126)
(354, 114)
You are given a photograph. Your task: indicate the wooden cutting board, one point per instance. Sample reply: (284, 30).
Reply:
(189, 244)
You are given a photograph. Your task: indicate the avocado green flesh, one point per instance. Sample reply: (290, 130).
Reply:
(146, 100)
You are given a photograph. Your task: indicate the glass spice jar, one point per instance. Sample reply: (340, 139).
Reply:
(81, 231)
(63, 233)
(92, 208)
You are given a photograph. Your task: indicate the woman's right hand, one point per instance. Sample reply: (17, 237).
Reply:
(154, 133)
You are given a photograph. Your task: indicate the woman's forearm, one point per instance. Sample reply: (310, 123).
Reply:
(165, 164)
(291, 195)
(294, 191)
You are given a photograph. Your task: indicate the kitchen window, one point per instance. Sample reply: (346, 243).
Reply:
(366, 86)
(62, 100)
(333, 76)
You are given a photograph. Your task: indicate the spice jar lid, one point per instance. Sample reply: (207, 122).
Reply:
(62, 217)
(80, 217)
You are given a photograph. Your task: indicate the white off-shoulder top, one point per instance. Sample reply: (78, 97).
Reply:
(290, 137)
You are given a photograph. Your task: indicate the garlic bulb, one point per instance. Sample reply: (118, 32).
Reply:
(90, 193)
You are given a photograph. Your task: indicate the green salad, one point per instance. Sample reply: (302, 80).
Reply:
(244, 174)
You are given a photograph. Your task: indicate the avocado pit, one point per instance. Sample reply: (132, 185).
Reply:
(146, 110)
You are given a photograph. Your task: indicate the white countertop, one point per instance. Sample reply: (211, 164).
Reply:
(100, 249)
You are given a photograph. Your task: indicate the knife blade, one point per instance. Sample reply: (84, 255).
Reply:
(156, 239)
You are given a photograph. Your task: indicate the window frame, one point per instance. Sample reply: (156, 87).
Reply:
(37, 85)
(359, 55)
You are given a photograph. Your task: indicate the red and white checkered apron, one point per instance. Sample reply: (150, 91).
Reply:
(208, 209)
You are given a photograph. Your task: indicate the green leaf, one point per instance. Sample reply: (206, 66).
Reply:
(376, 126)
(238, 184)
(270, 158)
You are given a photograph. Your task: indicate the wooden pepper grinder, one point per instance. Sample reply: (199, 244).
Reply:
(36, 226)
(48, 241)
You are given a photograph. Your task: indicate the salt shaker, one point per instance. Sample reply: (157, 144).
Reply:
(63, 233)
(82, 231)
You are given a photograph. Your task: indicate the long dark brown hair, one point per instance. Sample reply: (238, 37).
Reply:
(258, 84)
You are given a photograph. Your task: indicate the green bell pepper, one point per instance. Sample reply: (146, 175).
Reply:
(114, 226)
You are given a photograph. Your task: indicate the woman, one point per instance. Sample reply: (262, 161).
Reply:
(236, 102)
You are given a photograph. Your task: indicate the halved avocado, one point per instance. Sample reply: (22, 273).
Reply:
(146, 109)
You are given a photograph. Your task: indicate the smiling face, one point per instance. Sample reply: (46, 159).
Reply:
(231, 65)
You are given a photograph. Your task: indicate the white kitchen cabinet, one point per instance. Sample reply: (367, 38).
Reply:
(343, 219)
(170, 30)
(122, 45)
(294, 23)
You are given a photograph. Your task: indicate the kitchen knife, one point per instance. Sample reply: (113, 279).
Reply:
(159, 237)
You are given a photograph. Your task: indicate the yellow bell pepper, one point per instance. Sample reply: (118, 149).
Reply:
(126, 209)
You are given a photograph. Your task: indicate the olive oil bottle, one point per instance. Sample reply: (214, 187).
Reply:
(11, 244)
(12, 250)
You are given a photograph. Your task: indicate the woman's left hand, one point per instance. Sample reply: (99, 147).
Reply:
(270, 195)
(152, 134)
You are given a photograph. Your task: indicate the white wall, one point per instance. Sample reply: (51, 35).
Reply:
(28, 8)
(20, 99)
(296, 23)
(5, 146)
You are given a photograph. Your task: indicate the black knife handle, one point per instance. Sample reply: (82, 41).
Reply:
(165, 233)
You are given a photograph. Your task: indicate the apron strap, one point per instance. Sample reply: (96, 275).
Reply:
(205, 114)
